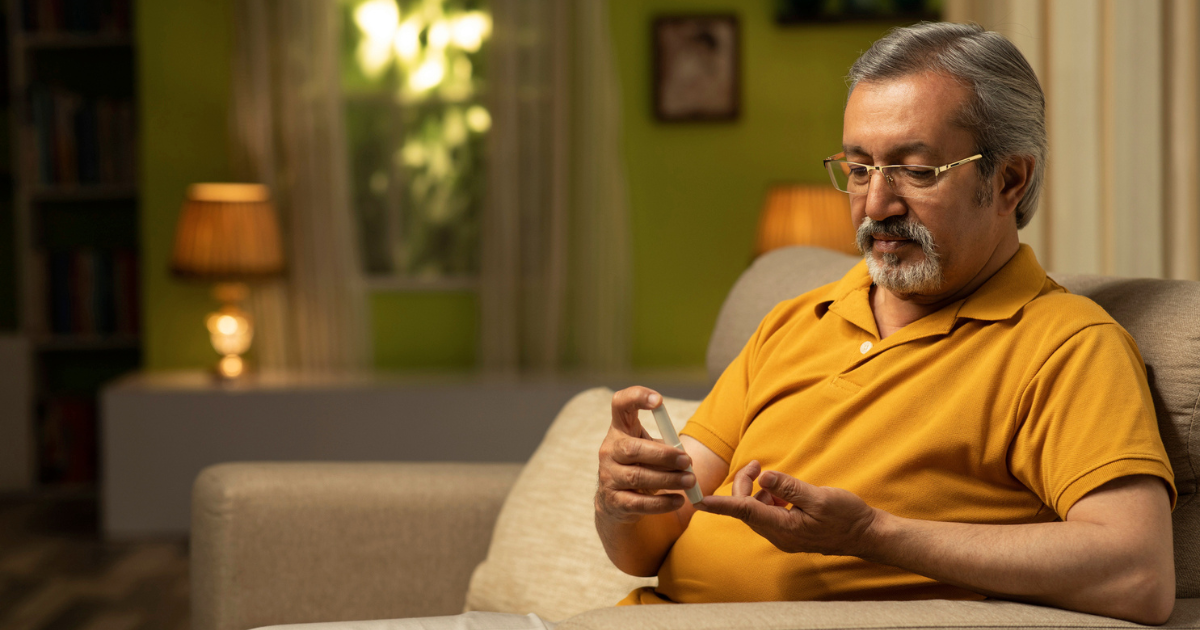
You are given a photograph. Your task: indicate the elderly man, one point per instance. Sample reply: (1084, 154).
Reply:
(943, 422)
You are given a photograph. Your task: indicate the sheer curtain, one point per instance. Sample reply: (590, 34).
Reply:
(288, 133)
(555, 282)
(1122, 83)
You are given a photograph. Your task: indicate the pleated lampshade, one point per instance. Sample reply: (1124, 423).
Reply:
(797, 214)
(227, 232)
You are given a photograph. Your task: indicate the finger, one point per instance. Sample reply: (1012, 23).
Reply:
(650, 480)
(625, 406)
(631, 502)
(788, 488)
(637, 451)
(747, 510)
(765, 498)
(743, 481)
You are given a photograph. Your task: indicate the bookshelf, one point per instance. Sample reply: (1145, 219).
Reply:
(71, 90)
(34, 41)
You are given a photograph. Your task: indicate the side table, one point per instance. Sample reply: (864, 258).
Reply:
(160, 429)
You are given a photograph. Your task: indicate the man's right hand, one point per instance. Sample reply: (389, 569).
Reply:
(639, 475)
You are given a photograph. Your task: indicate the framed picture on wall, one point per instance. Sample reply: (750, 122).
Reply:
(809, 11)
(697, 74)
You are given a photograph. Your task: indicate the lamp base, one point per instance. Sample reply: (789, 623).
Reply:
(230, 367)
(230, 330)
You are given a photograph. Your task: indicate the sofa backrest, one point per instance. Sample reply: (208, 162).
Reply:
(1162, 315)
(775, 276)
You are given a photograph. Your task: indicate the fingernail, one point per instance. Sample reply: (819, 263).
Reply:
(688, 479)
(683, 461)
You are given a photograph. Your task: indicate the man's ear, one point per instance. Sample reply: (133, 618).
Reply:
(1014, 175)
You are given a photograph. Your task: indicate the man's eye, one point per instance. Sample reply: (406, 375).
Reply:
(858, 171)
(919, 175)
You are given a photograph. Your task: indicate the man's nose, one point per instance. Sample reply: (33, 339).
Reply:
(882, 200)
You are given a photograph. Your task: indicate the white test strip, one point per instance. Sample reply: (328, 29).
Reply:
(672, 439)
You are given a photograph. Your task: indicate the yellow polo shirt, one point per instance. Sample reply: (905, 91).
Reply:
(1005, 407)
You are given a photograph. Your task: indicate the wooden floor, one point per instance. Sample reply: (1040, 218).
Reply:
(56, 573)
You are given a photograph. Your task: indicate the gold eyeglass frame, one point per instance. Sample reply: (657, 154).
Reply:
(839, 158)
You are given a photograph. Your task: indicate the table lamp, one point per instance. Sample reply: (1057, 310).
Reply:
(796, 214)
(228, 234)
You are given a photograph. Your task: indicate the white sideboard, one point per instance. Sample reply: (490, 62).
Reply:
(160, 429)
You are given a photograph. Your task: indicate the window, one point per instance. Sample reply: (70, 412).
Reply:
(412, 80)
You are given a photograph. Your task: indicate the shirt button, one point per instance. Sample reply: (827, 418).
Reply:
(865, 347)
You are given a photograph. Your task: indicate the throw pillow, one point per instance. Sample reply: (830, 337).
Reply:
(545, 556)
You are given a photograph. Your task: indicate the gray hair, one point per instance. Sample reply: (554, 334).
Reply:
(1007, 114)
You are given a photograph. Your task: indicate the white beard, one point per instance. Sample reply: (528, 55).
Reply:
(888, 271)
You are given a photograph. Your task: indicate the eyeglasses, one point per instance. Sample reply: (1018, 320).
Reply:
(912, 181)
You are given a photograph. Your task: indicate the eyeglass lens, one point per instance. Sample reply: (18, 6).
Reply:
(906, 181)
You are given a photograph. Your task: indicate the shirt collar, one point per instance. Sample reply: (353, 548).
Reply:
(1003, 295)
(1008, 291)
(850, 298)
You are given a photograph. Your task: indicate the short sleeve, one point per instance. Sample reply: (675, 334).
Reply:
(1087, 418)
(719, 420)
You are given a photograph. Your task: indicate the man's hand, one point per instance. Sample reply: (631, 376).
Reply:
(637, 471)
(828, 521)
(640, 507)
(1112, 555)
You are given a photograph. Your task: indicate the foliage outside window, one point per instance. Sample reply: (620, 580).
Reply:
(412, 76)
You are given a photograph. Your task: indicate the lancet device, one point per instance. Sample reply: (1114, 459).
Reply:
(672, 439)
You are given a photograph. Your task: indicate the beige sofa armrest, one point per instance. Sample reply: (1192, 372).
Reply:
(941, 614)
(302, 542)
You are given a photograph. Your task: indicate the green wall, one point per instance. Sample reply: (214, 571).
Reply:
(183, 81)
(695, 188)
(430, 330)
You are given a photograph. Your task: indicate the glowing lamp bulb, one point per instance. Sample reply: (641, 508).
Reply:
(227, 324)
(230, 330)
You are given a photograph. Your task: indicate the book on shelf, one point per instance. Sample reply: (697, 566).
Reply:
(80, 140)
(76, 16)
(67, 440)
(89, 292)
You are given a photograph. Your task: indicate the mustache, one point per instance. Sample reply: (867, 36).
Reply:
(894, 227)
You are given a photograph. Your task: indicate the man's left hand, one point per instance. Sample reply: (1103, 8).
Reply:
(828, 521)
(1110, 556)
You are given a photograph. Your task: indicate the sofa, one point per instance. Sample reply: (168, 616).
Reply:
(276, 543)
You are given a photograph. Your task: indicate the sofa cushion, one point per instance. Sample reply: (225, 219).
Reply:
(941, 614)
(545, 556)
